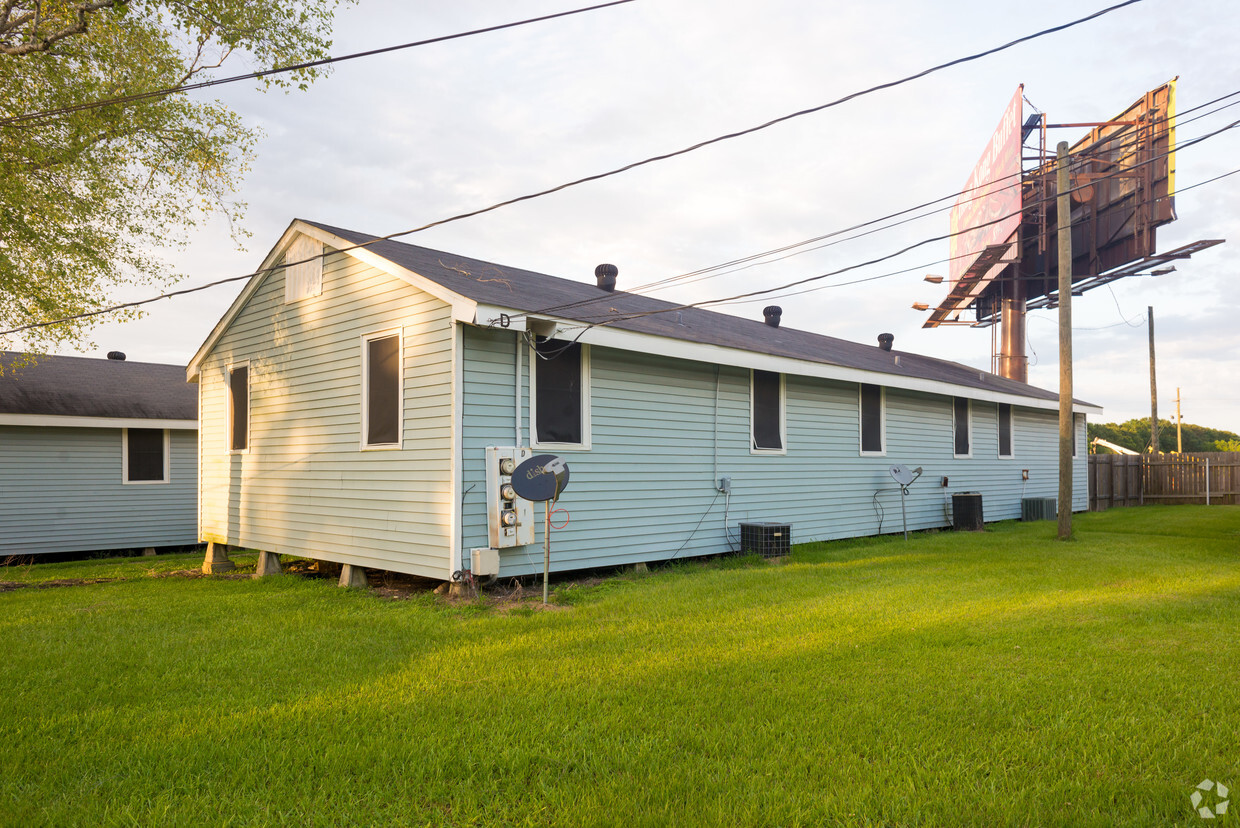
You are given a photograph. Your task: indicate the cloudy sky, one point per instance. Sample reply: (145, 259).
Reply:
(389, 143)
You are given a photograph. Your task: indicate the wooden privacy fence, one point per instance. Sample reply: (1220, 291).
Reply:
(1137, 479)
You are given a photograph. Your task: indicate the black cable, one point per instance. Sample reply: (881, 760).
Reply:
(189, 87)
(749, 261)
(458, 217)
(713, 501)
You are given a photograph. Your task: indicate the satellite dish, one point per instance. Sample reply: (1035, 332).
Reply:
(901, 473)
(543, 477)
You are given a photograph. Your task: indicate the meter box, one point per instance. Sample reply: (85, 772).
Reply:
(510, 519)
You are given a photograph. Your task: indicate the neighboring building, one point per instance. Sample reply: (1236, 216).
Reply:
(96, 454)
(347, 405)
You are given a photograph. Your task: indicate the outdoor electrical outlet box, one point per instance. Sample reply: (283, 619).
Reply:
(1024, 474)
(725, 485)
(943, 482)
(484, 561)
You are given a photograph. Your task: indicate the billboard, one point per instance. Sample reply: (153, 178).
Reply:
(988, 209)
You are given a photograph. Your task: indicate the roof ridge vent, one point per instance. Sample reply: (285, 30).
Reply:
(771, 315)
(118, 356)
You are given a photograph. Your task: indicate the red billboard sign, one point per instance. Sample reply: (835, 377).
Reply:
(988, 210)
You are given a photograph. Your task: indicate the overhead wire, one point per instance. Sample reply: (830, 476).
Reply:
(311, 64)
(599, 176)
(759, 259)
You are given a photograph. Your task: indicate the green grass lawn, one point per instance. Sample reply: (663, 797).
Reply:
(996, 678)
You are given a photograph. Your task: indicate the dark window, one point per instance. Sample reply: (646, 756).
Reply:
(767, 413)
(239, 407)
(558, 387)
(1005, 430)
(871, 418)
(960, 416)
(383, 391)
(144, 455)
(1075, 420)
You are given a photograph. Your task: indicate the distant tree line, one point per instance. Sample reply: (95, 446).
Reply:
(1135, 435)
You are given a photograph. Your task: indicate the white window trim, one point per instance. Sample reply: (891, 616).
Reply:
(968, 413)
(400, 390)
(882, 421)
(249, 407)
(999, 432)
(586, 426)
(783, 416)
(125, 461)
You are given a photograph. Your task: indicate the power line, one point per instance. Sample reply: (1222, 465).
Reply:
(613, 172)
(189, 87)
(752, 260)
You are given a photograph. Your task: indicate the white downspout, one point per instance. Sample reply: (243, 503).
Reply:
(517, 394)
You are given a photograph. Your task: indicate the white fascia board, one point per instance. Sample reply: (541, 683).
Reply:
(63, 421)
(463, 309)
(609, 337)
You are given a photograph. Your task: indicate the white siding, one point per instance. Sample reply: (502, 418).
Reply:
(61, 490)
(305, 486)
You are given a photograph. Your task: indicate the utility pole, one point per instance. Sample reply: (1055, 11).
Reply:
(1066, 419)
(1153, 387)
(1179, 437)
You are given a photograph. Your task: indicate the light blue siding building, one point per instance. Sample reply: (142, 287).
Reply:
(377, 386)
(96, 455)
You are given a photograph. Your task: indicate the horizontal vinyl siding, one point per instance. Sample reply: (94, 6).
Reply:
(61, 491)
(305, 486)
(660, 442)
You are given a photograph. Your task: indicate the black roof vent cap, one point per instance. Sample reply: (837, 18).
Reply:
(606, 275)
(119, 356)
(885, 340)
(771, 314)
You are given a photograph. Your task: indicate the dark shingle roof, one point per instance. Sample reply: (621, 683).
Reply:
(83, 387)
(525, 290)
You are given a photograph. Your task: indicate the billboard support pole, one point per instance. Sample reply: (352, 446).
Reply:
(1066, 424)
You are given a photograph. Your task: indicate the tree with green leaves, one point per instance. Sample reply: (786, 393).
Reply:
(1135, 435)
(89, 196)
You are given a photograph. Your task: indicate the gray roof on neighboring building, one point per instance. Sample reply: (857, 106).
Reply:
(86, 387)
(528, 291)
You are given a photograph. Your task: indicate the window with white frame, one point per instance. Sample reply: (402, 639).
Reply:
(962, 444)
(381, 392)
(239, 407)
(766, 396)
(872, 404)
(560, 393)
(1005, 430)
(303, 277)
(144, 455)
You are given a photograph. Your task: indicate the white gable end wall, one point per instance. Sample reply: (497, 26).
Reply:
(305, 485)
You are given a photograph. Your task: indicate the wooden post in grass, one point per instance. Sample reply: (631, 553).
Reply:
(1066, 420)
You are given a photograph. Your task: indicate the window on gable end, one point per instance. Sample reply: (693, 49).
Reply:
(239, 407)
(382, 393)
